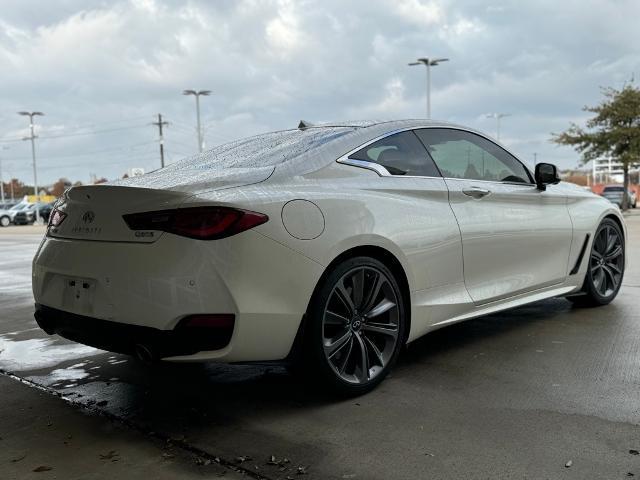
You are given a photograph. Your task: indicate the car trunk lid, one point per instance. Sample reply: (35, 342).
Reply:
(95, 212)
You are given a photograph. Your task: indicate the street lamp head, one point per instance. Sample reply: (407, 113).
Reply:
(436, 61)
(189, 92)
(31, 114)
(38, 113)
(204, 92)
(414, 63)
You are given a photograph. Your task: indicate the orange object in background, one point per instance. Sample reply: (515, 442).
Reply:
(598, 187)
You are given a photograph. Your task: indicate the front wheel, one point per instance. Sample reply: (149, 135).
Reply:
(357, 321)
(5, 221)
(606, 266)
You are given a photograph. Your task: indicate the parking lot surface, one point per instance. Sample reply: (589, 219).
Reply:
(542, 391)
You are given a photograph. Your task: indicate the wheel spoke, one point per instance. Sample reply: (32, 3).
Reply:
(334, 347)
(381, 328)
(363, 373)
(600, 243)
(334, 318)
(612, 279)
(378, 281)
(345, 297)
(375, 350)
(346, 356)
(358, 288)
(598, 278)
(614, 267)
(612, 239)
(383, 307)
(617, 251)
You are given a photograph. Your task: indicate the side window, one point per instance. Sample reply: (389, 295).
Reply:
(461, 154)
(401, 154)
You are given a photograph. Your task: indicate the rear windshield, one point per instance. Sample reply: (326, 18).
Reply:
(613, 189)
(264, 150)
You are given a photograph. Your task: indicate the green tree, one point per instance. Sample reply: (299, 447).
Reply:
(614, 131)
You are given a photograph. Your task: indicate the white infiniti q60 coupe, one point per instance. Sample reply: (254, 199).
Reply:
(326, 246)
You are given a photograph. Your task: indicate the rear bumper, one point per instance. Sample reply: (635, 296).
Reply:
(139, 289)
(123, 338)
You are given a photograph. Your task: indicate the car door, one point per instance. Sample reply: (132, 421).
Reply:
(413, 199)
(515, 238)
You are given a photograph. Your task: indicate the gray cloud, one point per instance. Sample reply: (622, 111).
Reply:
(102, 66)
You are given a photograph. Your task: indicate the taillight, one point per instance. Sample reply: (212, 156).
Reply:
(56, 217)
(203, 223)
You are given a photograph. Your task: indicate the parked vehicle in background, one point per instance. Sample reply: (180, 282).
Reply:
(27, 216)
(615, 194)
(7, 205)
(7, 216)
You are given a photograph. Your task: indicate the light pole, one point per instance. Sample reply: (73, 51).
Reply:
(498, 116)
(429, 62)
(32, 137)
(2, 178)
(197, 95)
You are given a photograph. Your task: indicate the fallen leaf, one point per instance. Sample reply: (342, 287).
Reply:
(16, 460)
(42, 468)
(110, 456)
(243, 458)
(302, 470)
(568, 464)
(634, 452)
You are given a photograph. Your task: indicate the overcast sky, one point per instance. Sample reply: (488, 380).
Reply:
(101, 70)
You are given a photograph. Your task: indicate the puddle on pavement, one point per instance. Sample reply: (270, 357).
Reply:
(39, 353)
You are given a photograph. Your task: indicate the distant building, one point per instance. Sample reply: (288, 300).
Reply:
(607, 171)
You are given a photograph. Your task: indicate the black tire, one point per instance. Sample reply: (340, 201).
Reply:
(350, 324)
(604, 272)
(5, 221)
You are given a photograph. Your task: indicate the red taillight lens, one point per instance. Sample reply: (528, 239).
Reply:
(203, 223)
(56, 217)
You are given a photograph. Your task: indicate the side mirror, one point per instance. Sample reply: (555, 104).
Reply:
(546, 174)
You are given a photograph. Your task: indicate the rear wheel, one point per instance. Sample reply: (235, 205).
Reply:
(5, 221)
(356, 326)
(606, 266)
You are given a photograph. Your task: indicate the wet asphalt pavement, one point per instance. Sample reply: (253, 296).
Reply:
(513, 395)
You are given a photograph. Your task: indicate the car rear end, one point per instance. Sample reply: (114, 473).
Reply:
(23, 217)
(614, 194)
(160, 274)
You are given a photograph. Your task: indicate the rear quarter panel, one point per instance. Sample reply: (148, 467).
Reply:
(409, 217)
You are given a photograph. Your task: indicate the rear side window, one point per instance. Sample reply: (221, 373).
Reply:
(401, 154)
(461, 154)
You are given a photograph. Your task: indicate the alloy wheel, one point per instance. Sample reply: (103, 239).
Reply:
(360, 324)
(607, 261)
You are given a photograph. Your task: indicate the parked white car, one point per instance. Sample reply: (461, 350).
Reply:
(329, 247)
(7, 216)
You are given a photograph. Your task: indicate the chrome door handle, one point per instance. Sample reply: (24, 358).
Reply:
(476, 192)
